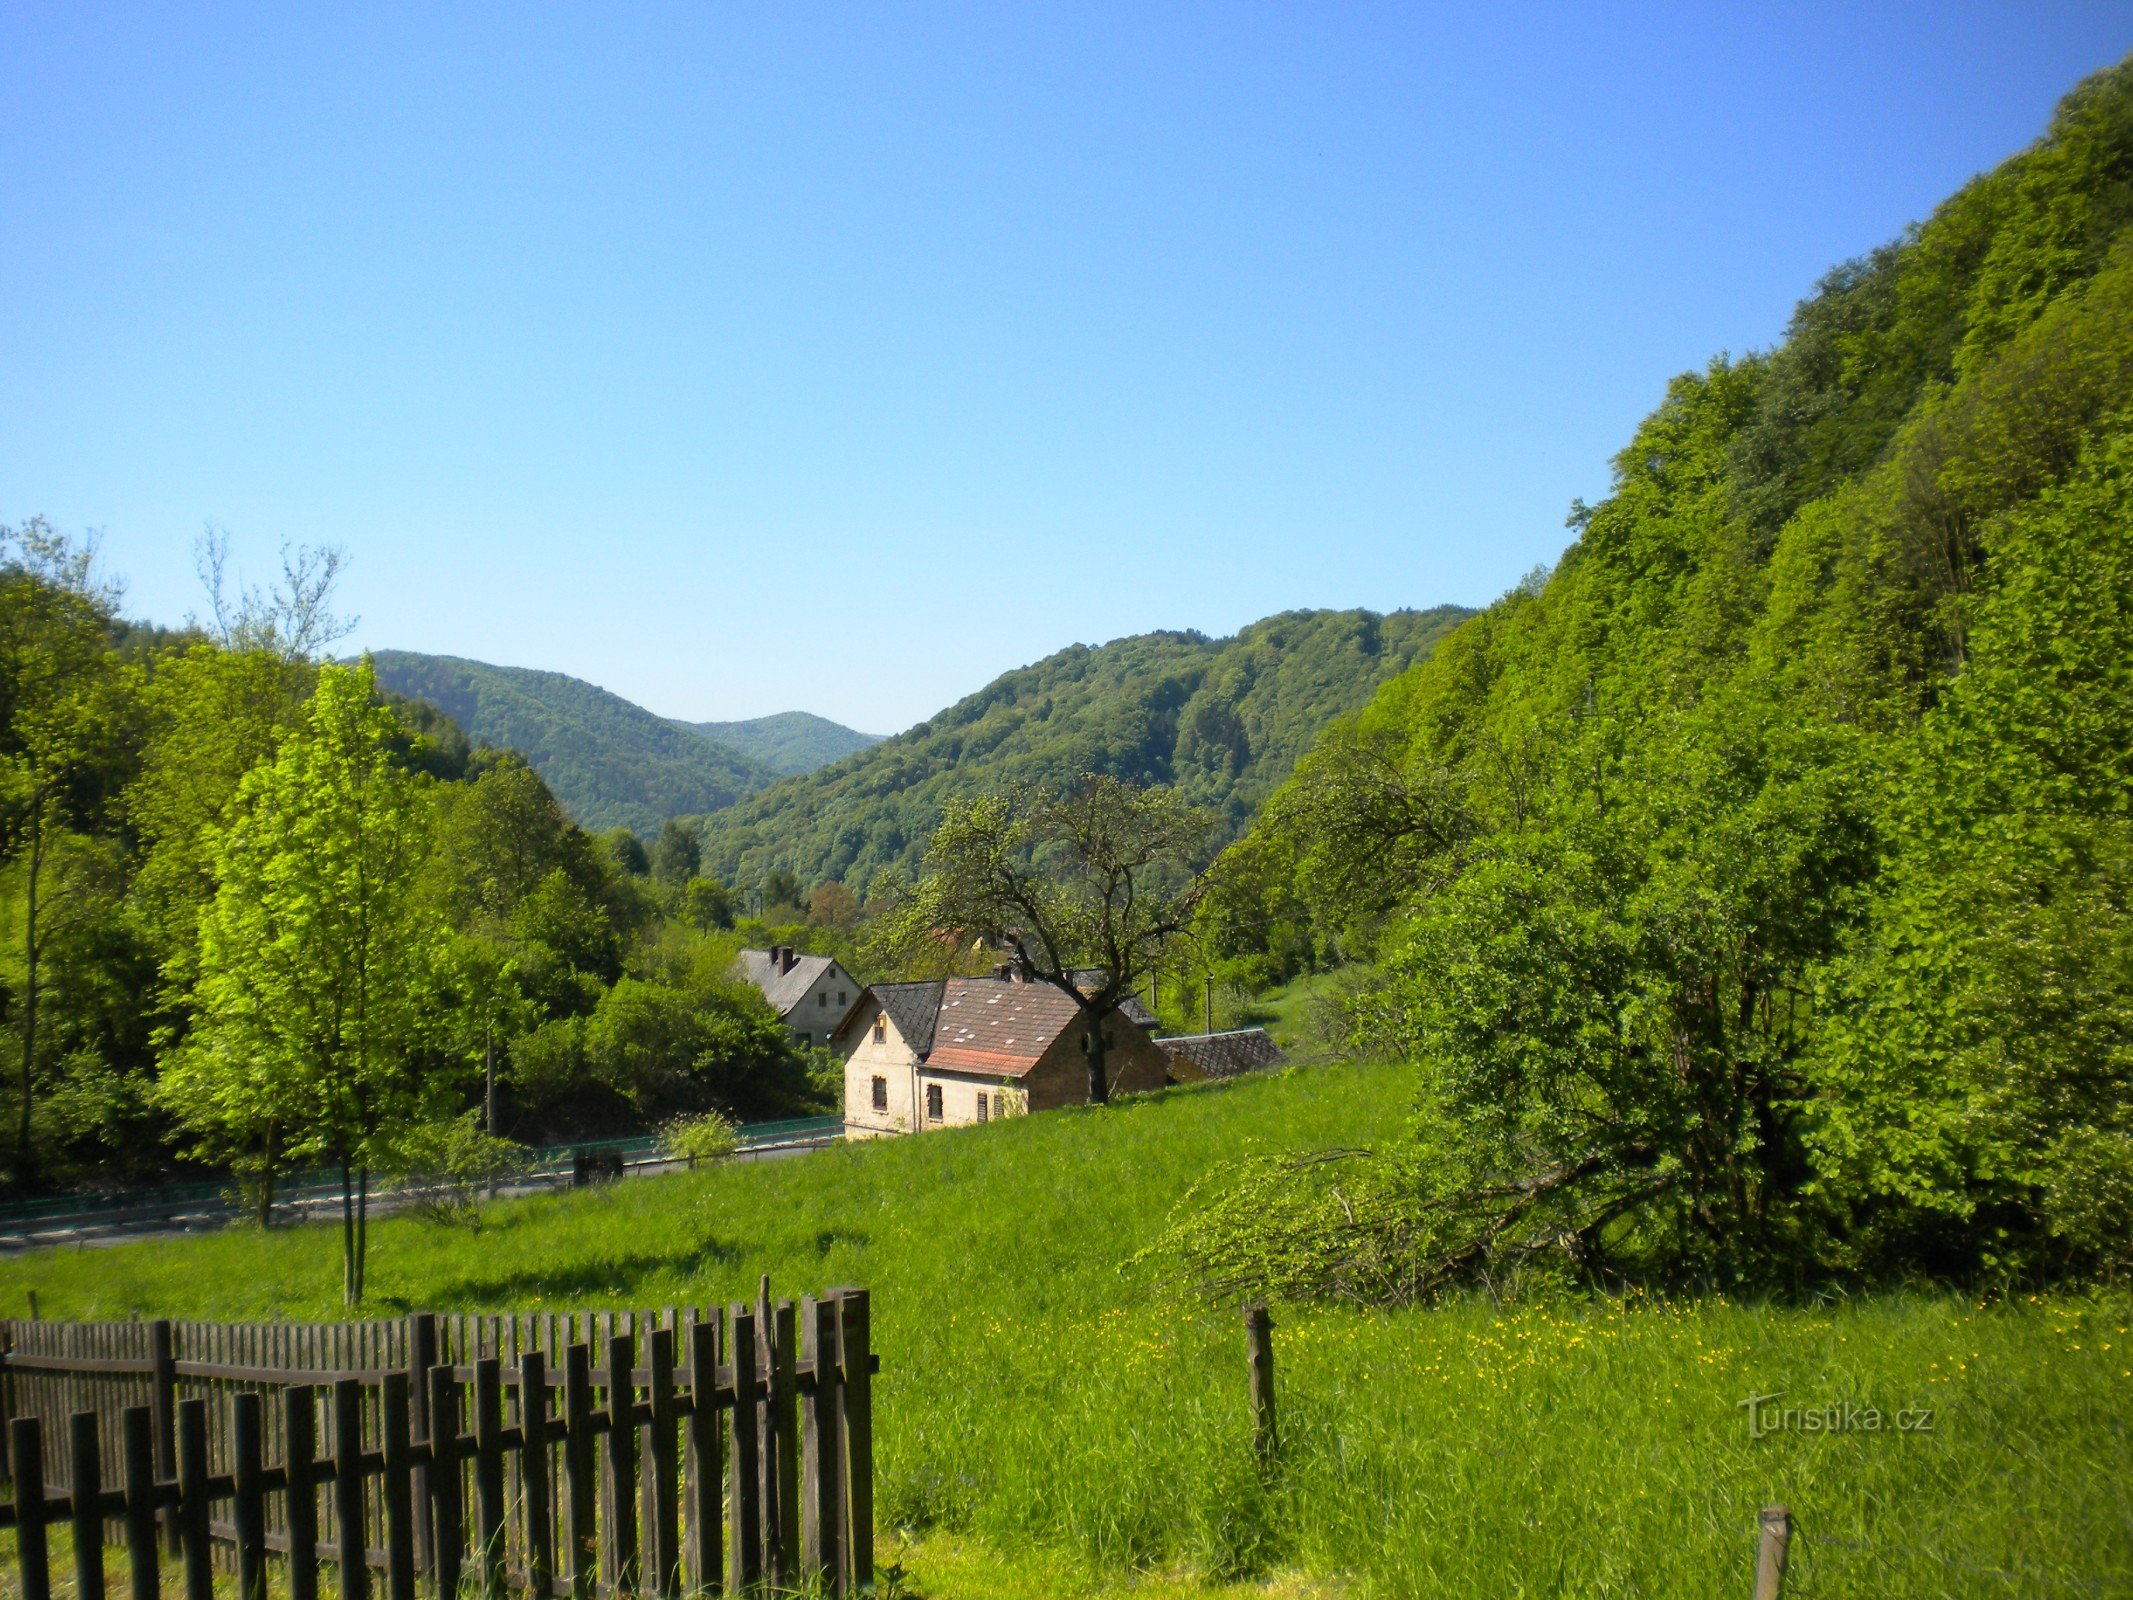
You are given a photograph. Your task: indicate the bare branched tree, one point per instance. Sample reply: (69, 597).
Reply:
(292, 619)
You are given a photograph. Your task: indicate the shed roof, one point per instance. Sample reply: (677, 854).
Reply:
(1226, 1055)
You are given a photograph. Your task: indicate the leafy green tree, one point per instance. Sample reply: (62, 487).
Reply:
(627, 851)
(677, 855)
(1084, 886)
(62, 753)
(321, 963)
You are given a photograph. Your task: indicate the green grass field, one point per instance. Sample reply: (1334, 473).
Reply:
(1050, 1424)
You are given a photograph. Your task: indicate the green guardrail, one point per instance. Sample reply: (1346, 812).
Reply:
(544, 1161)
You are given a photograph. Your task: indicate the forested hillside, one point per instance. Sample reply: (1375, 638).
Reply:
(787, 742)
(1222, 719)
(610, 762)
(1754, 897)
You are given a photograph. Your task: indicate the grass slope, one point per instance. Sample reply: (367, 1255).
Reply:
(1044, 1409)
(608, 761)
(1221, 719)
(789, 742)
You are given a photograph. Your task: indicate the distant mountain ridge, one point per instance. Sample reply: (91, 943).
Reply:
(788, 742)
(610, 762)
(1223, 720)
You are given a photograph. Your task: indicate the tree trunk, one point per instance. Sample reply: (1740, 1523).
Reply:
(25, 1155)
(362, 1260)
(266, 1182)
(349, 1292)
(1092, 1042)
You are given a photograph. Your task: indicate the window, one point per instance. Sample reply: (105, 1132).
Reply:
(840, 997)
(881, 1030)
(823, 998)
(984, 1106)
(881, 1094)
(933, 1102)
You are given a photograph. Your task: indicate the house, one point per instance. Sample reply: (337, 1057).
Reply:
(812, 995)
(963, 1050)
(1196, 1057)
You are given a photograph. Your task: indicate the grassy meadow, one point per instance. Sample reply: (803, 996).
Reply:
(1050, 1423)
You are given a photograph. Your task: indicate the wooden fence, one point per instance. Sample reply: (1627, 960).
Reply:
(595, 1454)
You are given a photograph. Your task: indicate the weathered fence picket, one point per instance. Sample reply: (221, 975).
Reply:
(687, 1452)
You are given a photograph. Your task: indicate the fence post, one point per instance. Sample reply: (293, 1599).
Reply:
(1770, 1554)
(137, 1427)
(820, 1503)
(26, 1447)
(578, 1458)
(163, 1406)
(300, 1504)
(447, 1538)
(744, 1541)
(354, 1541)
(398, 1462)
(705, 1465)
(86, 1492)
(489, 1472)
(1259, 1341)
(662, 1515)
(421, 1356)
(248, 1512)
(855, 1405)
(192, 1500)
(618, 1551)
(533, 1472)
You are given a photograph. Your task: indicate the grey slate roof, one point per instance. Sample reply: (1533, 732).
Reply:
(783, 990)
(1226, 1055)
(914, 1008)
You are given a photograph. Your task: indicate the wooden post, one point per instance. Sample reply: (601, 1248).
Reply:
(26, 1448)
(705, 1464)
(421, 1357)
(784, 1422)
(142, 1553)
(398, 1465)
(744, 1537)
(300, 1503)
(248, 1511)
(489, 1473)
(86, 1491)
(192, 1500)
(855, 1435)
(533, 1473)
(618, 1551)
(821, 1506)
(578, 1457)
(352, 1542)
(1770, 1555)
(163, 1404)
(662, 1512)
(1259, 1341)
(447, 1539)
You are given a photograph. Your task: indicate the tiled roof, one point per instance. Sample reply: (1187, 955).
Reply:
(1226, 1055)
(988, 1026)
(913, 1008)
(1088, 979)
(783, 990)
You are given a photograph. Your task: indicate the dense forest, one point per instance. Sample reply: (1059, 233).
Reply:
(1751, 895)
(1222, 720)
(611, 763)
(256, 913)
(787, 742)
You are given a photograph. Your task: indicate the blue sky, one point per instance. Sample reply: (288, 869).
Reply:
(742, 358)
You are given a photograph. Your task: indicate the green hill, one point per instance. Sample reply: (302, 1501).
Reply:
(790, 742)
(609, 762)
(1222, 719)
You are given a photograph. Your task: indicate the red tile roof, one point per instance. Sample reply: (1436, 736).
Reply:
(1001, 1029)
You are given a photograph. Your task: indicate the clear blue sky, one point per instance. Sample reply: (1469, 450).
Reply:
(747, 357)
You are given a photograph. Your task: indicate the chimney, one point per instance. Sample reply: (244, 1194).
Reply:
(784, 958)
